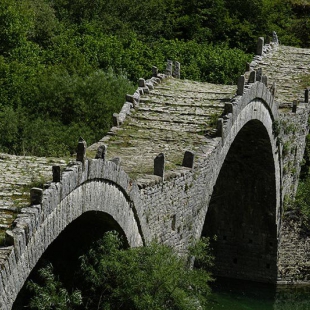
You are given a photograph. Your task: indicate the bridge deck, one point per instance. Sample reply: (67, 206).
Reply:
(286, 66)
(176, 116)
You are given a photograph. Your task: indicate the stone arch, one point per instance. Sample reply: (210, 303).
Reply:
(96, 186)
(250, 128)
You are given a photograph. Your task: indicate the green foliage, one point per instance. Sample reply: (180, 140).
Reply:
(286, 148)
(305, 167)
(302, 199)
(67, 106)
(54, 55)
(150, 277)
(205, 62)
(276, 128)
(15, 24)
(51, 295)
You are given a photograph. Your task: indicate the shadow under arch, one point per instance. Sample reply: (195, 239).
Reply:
(73, 242)
(242, 212)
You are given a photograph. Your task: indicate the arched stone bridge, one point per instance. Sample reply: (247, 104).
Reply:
(185, 160)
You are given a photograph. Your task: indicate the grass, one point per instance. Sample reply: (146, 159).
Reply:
(305, 81)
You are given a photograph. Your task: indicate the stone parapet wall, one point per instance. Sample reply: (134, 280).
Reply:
(165, 119)
(94, 185)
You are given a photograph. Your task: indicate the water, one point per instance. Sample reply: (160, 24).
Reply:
(240, 295)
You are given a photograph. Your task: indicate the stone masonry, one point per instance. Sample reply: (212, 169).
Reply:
(226, 158)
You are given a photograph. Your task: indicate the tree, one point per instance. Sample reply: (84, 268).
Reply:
(52, 295)
(16, 24)
(151, 277)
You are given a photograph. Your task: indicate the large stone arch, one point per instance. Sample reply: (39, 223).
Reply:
(248, 125)
(92, 186)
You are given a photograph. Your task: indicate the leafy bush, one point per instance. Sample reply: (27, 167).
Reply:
(151, 277)
(67, 106)
(205, 62)
(52, 295)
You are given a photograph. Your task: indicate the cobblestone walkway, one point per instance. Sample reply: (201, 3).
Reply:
(177, 116)
(286, 66)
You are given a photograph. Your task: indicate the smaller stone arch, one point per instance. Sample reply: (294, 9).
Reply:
(92, 186)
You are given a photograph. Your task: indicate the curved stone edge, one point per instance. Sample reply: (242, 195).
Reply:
(253, 84)
(238, 103)
(33, 217)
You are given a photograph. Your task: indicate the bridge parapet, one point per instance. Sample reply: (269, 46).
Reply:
(253, 84)
(234, 108)
(97, 185)
(170, 116)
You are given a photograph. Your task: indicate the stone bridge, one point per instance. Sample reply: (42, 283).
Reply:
(184, 160)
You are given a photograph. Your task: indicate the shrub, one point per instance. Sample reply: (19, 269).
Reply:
(151, 277)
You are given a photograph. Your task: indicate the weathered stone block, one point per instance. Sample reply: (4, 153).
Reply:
(56, 173)
(241, 83)
(154, 71)
(260, 45)
(141, 83)
(252, 77)
(159, 165)
(188, 159)
(81, 151)
(101, 152)
(307, 95)
(169, 67)
(36, 195)
(177, 70)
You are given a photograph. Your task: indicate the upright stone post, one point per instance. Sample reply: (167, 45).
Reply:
(81, 151)
(169, 67)
(275, 37)
(219, 127)
(101, 152)
(129, 98)
(36, 195)
(154, 71)
(307, 95)
(159, 165)
(265, 80)
(188, 159)
(294, 108)
(273, 89)
(259, 74)
(115, 120)
(241, 83)
(228, 108)
(141, 83)
(252, 77)
(56, 174)
(116, 161)
(260, 45)
(177, 70)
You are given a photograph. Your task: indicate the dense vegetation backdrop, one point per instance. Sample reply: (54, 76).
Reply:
(66, 65)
